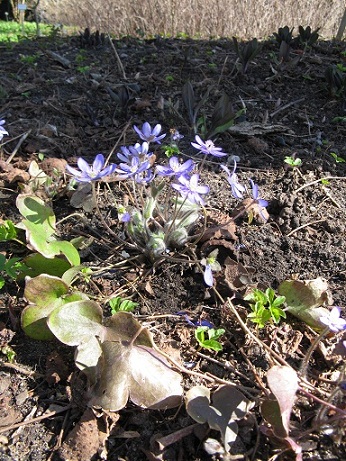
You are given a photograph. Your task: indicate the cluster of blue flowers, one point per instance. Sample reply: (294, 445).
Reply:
(137, 164)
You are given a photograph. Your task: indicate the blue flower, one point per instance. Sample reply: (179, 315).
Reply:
(127, 153)
(208, 275)
(175, 168)
(207, 147)
(260, 202)
(190, 189)
(175, 135)
(333, 320)
(150, 134)
(138, 150)
(237, 188)
(211, 265)
(255, 194)
(87, 173)
(3, 132)
(131, 169)
(195, 323)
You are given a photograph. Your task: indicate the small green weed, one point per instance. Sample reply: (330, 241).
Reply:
(10, 268)
(119, 304)
(337, 158)
(265, 306)
(208, 337)
(293, 162)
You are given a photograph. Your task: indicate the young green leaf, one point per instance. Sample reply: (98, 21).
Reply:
(7, 231)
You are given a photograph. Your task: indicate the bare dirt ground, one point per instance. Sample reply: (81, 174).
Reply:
(64, 93)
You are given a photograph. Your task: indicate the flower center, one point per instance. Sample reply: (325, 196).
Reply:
(209, 144)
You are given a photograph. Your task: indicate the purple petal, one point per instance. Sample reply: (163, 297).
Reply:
(146, 129)
(208, 276)
(84, 166)
(188, 165)
(164, 170)
(73, 171)
(109, 169)
(202, 190)
(194, 181)
(174, 163)
(98, 163)
(156, 130)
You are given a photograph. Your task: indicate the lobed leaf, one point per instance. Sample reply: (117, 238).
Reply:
(221, 411)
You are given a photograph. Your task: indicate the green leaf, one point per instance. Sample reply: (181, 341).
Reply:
(36, 264)
(7, 231)
(39, 224)
(337, 158)
(34, 210)
(44, 293)
(222, 117)
(119, 304)
(76, 322)
(67, 249)
(13, 266)
(278, 301)
(213, 335)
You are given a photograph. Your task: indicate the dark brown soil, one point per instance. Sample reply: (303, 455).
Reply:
(69, 109)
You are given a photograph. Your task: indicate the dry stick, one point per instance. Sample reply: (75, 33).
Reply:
(322, 402)
(318, 180)
(286, 106)
(207, 376)
(331, 198)
(304, 225)
(257, 340)
(34, 420)
(314, 344)
(120, 64)
(20, 142)
(122, 135)
(21, 370)
(283, 362)
(225, 366)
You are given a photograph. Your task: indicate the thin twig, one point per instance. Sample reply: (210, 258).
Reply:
(277, 357)
(21, 370)
(286, 106)
(225, 366)
(34, 420)
(319, 180)
(120, 64)
(304, 225)
(20, 142)
(331, 198)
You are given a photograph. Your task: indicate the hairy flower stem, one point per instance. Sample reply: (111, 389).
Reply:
(314, 344)
(98, 211)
